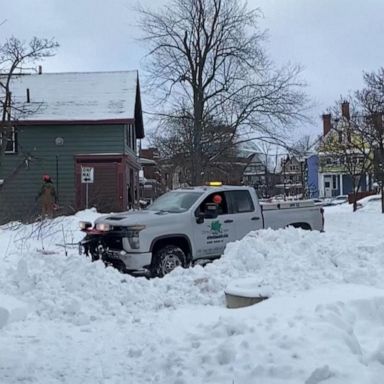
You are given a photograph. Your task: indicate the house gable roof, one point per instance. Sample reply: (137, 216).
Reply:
(80, 96)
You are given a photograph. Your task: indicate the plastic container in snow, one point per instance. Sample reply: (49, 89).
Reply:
(245, 292)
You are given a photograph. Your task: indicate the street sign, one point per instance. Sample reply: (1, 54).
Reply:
(87, 175)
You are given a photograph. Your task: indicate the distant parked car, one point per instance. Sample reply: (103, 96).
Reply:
(369, 200)
(319, 201)
(326, 201)
(341, 199)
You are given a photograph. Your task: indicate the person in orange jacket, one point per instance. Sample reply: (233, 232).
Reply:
(48, 197)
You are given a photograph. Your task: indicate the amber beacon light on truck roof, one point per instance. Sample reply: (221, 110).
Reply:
(215, 183)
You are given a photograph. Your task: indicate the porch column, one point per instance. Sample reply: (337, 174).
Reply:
(341, 185)
(321, 184)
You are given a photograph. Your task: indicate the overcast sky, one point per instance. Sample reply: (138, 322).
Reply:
(334, 40)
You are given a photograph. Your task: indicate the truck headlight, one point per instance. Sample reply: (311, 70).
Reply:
(133, 235)
(85, 225)
(103, 227)
(134, 241)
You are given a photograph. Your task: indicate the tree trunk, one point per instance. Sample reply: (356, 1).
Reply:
(197, 171)
(382, 196)
(354, 196)
(381, 172)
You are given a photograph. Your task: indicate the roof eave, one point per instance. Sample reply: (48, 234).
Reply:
(74, 122)
(139, 124)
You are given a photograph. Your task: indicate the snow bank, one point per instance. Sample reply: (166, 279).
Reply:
(323, 321)
(11, 310)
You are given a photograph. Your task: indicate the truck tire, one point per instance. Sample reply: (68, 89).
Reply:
(304, 226)
(167, 259)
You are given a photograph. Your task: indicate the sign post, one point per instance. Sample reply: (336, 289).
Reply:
(87, 177)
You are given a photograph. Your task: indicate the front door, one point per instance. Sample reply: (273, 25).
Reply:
(211, 236)
(328, 186)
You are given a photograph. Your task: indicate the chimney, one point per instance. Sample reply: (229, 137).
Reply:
(345, 109)
(40, 70)
(326, 123)
(28, 96)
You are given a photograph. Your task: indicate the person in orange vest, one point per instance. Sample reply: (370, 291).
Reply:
(48, 197)
(218, 200)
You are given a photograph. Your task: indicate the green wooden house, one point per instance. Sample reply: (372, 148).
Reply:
(72, 123)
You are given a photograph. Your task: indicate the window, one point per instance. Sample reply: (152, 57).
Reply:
(334, 181)
(222, 207)
(9, 136)
(242, 201)
(174, 202)
(131, 137)
(128, 136)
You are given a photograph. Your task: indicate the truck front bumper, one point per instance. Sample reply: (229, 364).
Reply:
(111, 251)
(133, 261)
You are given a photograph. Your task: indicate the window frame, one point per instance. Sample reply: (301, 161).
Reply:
(131, 137)
(232, 198)
(13, 141)
(227, 207)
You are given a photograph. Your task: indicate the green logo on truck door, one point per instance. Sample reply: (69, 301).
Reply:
(216, 226)
(216, 232)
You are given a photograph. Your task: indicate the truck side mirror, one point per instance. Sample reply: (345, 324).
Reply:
(211, 211)
(200, 218)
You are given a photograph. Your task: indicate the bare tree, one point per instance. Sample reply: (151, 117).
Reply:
(371, 99)
(221, 146)
(175, 143)
(304, 145)
(14, 54)
(208, 55)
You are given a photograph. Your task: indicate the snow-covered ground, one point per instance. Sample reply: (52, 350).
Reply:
(64, 319)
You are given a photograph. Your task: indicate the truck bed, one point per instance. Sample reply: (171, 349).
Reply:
(281, 214)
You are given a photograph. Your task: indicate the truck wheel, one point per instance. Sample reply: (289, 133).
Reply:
(167, 259)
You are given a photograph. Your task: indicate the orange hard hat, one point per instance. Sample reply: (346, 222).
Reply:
(217, 199)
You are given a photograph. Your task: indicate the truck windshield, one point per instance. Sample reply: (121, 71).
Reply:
(174, 202)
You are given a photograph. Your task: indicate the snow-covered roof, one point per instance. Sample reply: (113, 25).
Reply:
(146, 162)
(77, 96)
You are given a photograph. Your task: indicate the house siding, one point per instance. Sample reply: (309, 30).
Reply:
(313, 169)
(38, 155)
(347, 185)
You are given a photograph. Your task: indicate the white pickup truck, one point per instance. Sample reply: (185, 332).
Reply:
(189, 226)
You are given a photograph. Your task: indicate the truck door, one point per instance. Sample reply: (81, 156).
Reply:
(247, 217)
(211, 236)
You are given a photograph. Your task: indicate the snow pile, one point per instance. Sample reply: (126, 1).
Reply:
(11, 310)
(90, 324)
